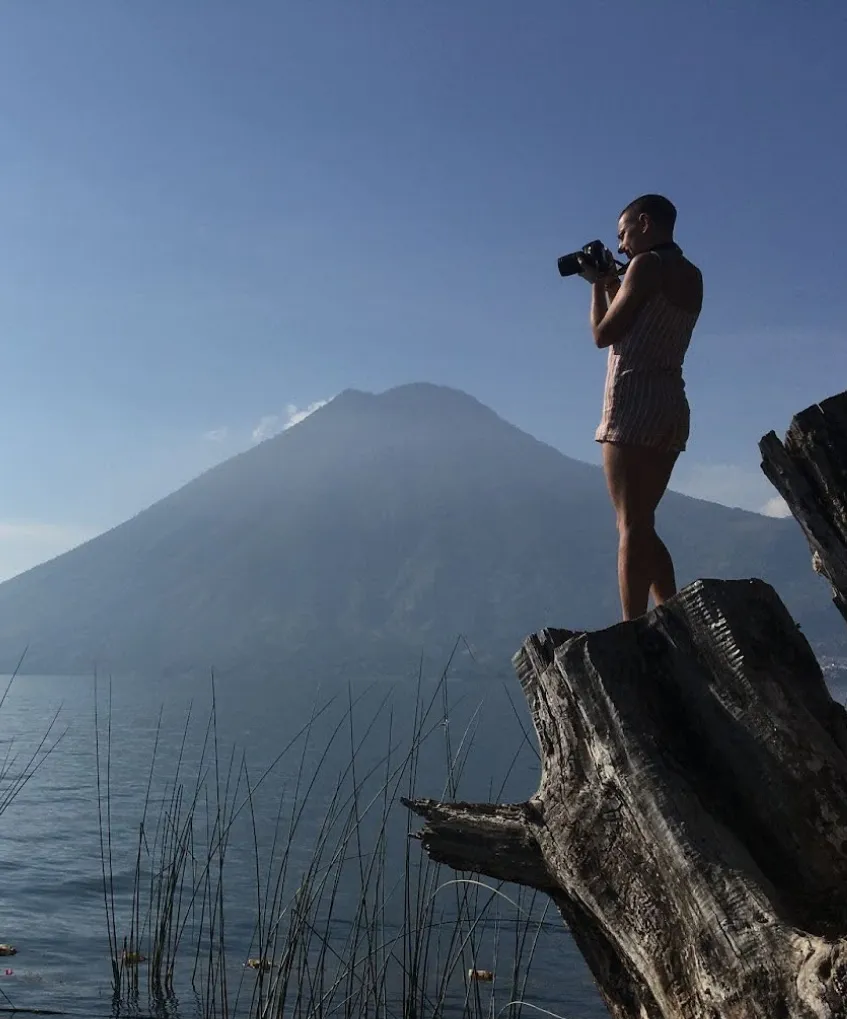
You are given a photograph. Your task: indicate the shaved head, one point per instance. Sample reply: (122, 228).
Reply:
(660, 210)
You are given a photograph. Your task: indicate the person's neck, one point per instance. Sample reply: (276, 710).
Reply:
(669, 244)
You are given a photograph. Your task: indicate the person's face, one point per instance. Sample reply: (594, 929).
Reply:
(633, 233)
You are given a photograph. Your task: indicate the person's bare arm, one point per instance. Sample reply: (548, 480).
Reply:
(611, 320)
(602, 294)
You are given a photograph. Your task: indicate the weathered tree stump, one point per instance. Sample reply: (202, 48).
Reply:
(809, 470)
(691, 819)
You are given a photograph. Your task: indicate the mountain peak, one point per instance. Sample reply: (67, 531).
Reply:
(411, 403)
(414, 395)
(381, 524)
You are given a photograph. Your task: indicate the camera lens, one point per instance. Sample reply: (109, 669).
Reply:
(569, 264)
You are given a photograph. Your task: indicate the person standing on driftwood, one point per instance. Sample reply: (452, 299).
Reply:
(646, 322)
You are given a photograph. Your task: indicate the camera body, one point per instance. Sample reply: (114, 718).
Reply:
(594, 255)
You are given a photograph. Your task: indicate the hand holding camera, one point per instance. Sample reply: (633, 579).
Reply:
(592, 274)
(594, 263)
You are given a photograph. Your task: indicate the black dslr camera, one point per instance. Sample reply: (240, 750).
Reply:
(594, 255)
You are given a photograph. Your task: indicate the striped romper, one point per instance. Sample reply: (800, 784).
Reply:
(644, 402)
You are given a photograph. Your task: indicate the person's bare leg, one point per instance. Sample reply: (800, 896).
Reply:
(635, 538)
(657, 475)
(637, 477)
(636, 552)
(664, 578)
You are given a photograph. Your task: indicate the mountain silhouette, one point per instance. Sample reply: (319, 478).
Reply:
(379, 527)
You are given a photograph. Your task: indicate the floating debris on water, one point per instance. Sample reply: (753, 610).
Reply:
(132, 958)
(483, 975)
(262, 964)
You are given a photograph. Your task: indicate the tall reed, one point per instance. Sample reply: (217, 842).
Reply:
(348, 918)
(16, 772)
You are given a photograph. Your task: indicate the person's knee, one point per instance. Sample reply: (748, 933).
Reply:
(636, 526)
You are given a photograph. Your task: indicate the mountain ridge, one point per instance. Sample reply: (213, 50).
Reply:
(379, 525)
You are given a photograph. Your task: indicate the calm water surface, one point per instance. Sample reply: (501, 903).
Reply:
(50, 858)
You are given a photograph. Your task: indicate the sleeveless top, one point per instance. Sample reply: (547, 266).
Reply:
(659, 338)
(644, 402)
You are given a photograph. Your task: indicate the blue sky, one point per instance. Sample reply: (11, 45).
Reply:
(215, 215)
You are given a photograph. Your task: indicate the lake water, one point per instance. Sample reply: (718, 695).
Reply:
(53, 907)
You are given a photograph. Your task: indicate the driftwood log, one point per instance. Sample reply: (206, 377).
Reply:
(691, 819)
(809, 470)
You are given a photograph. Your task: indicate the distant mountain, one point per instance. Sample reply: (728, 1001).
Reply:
(379, 526)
